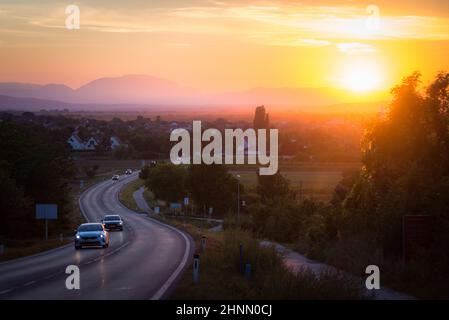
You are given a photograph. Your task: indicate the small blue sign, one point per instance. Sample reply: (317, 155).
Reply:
(46, 211)
(175, 205)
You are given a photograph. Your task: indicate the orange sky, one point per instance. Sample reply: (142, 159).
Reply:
(220, 46)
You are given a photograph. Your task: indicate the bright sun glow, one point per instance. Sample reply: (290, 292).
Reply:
(361, 76)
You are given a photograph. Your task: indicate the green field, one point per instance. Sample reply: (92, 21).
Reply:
(314, 180)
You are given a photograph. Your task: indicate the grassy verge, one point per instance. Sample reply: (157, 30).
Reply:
(26, 248)
(221, 275)
(149, 198)
(126, 194)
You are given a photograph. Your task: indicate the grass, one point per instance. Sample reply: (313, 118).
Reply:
(33, 246)
(126, 194)
(221, 276)
(149, 198)
(314, 180)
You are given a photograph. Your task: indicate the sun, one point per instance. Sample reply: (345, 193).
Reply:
(361, 76)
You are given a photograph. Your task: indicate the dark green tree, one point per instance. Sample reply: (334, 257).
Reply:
(273, 187)
(167, 182)
(212, 186)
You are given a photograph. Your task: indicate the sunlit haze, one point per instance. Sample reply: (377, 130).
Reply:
(214, 47)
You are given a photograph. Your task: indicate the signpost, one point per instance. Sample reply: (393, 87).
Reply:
(46, 212)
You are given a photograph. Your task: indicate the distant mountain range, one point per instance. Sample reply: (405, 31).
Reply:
(143, 92)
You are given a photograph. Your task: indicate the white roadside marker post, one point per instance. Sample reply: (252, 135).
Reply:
(203, 243)
(196, 268)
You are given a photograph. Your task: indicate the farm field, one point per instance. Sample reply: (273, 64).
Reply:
(314, 180)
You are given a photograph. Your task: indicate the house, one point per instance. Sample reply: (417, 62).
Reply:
(91, 144)
(115, 142)
(76, 143)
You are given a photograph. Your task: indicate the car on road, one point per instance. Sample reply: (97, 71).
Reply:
(115, 177)
(91, 235)
(128, 172)
(112, 222)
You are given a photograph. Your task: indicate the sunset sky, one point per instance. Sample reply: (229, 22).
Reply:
(220, 46)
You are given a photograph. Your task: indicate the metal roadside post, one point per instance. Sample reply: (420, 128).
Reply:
(248, 270)
(203, 243)
(238, 199)
(196, 268)
(241, 256)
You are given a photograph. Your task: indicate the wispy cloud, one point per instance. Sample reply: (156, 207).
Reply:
(272, 23)
(354, 47)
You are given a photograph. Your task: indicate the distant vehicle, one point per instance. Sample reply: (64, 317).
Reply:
(91, 235)
(115, 177)
(128, 172)
(113, 221)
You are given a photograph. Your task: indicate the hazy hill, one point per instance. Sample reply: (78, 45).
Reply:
(146, 90)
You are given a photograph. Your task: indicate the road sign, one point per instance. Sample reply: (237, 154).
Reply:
(186, 201)
(156, 210)
(175, 205)
(46, 211)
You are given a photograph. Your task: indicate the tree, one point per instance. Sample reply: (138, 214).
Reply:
(167, 182)
(90, 171)
(36, 167)
(212, 186)
(405, 170)
(261, 118)
(272, 187)
(144, 172)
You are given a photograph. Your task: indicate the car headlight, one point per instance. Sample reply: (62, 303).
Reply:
(77, 236)
(121, 222)
(101, 235)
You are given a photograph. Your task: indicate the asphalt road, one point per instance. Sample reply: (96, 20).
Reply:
(142, 262)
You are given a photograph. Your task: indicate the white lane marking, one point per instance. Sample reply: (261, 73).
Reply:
(29, 283)
(163, 289)
(158, 295)
(7, 290)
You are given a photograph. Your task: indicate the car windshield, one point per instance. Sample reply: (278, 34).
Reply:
(111, 218)
(90, 227)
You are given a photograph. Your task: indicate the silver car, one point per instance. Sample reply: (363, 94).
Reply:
(91, 235)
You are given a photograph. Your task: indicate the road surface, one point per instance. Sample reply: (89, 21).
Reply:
(142, 262)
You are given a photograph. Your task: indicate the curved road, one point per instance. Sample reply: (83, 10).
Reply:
(142, 262)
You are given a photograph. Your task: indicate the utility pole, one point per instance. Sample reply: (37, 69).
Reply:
(238, 199)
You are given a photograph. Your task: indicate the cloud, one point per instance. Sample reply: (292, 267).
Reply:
(286, 23)
(354, 47)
